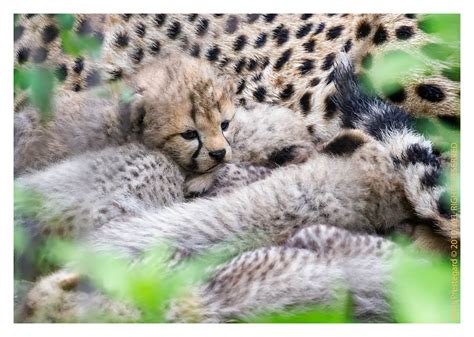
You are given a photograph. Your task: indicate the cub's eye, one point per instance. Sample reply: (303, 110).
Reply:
(190, 134)
(224, 125)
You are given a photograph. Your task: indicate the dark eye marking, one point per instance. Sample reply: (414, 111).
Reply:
(225, 125)
(189, 134)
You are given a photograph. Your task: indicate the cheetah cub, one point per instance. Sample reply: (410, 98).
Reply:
(179, 105)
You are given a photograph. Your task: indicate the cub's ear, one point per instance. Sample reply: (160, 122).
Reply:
(132, 113)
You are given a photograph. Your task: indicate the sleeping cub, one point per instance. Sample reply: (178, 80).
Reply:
(179, 105)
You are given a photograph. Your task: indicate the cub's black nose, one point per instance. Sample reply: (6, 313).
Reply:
(217, 155)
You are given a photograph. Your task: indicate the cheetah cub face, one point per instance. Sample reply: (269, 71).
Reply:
(187, 112)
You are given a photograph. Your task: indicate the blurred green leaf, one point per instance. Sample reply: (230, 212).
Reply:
(21, 78)
(26, 202)
(445, 26)
(440, 133)
(42, 86)
(66, 21)
(395, 67)
(336, 313)
(75, 45)
(421, 290)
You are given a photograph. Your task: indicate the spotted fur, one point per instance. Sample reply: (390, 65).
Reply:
(287, 60)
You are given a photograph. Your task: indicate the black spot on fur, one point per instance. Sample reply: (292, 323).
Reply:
(347, 46)
(367, 61)
(306, 66)
(78, 65)
(315, 81)
(232, 24)
(265, 62)
(154, 47)
(430, 92)
(404, 32)
(241, 86)
(330, 77)
(380, 35)
(320, 28)
(261, 40)
(192, 17)
(213, 53)
(116, 74)
(251, 18)
(363, 30)
(410, 16)
(304, 30)
(240, 43)
(202, 27)
(137, 55)
(394, 92)
(306, 16)
(287, 92)
(416, 153)
(121, 40)
(240, 65)
(334, 32)
(93, 79)
(257, 77)
(431, 178)
(282, 59)
(223, 62)
(280, 34)
(159, 19)
(330, 107)
(305, 102)
(259, 94)
(309, 46)
(444, 208)
(40, 54)
(140, 30)
(18, 32)
(174, 30)
(76, 87)
(61, 72)
(252, 65)
(195, 50)
(29, 16)
(282, 156)
(23, 55)
(269, 17)
(310, 129)
(218, 15)
(84, 28)
(328, 61)
(344, 145)
(50, 33)
(126, 17)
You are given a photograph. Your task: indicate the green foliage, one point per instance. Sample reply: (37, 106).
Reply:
(421, 292)
(338, 312)
(76, 45)
(41, 82)
(445, 26)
